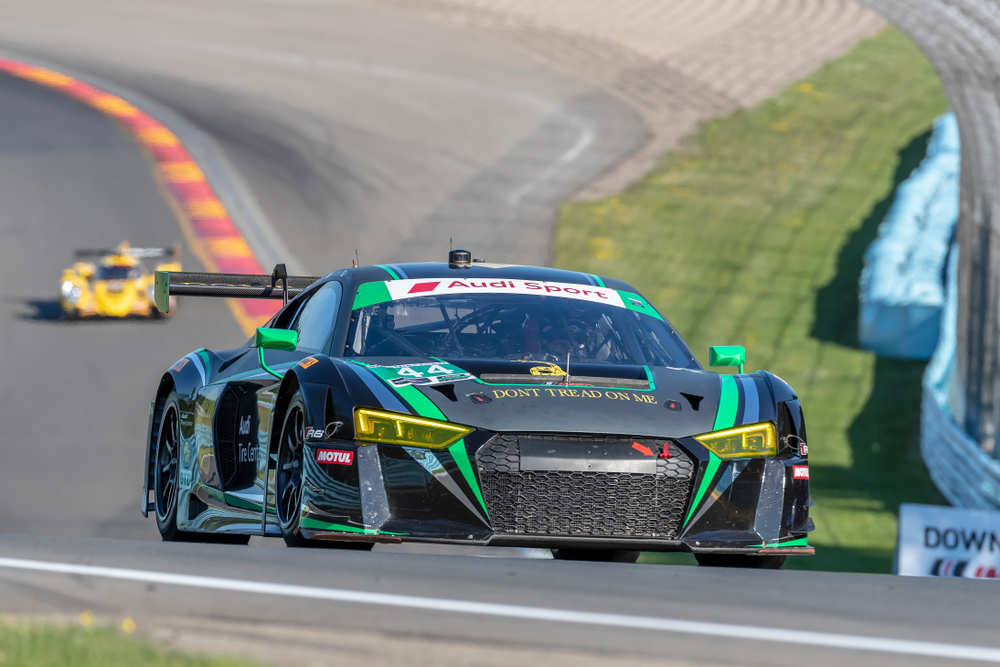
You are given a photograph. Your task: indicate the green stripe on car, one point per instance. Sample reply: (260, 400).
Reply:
(635, 302)
(461, 456)
(315, 524)
(729, 400)
(395, 276)
(203, 355)
(706, 480)
(371, 293)
(800, 542)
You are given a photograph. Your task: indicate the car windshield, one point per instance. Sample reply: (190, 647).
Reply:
(515, 326)
(117, 272)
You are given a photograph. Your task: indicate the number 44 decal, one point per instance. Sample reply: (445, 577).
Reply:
(436, 369)
(439, 373)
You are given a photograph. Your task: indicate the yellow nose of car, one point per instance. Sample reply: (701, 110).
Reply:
(115, 298)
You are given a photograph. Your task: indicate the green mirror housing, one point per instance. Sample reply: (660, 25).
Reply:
(727, 355)
(274, 339)
(277, 339)
(161, 291)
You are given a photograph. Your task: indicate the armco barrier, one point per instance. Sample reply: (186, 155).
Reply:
(902, 283)
(965, 475)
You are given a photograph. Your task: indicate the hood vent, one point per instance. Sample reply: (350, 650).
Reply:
(613, 383)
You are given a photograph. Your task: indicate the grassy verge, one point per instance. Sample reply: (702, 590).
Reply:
(36, 645)
(755, 236)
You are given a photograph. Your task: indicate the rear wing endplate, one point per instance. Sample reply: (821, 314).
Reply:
(278, 285)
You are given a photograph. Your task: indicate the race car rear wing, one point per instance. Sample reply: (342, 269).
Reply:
(230, 285)
(137, 253)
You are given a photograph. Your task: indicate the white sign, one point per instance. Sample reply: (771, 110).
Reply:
(408, 289)
(937, 541)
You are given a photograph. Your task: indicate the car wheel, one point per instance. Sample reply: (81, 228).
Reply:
(741, 561)
(290, 478)
(596, 555)
(165, 482)
(167, 458)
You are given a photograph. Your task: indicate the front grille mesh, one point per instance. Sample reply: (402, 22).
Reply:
(601, 504)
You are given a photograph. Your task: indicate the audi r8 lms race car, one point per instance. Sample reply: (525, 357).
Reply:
(476, 404)
(113, 283)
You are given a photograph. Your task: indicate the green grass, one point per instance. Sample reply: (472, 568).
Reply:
(24, 644)
(755, 234)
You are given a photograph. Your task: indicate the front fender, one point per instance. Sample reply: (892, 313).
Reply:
(186, 376)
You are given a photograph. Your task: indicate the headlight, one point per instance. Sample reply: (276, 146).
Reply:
(70, 291)
(393, 428)
(742, 442)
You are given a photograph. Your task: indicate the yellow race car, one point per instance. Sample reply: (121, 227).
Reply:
(114, 283)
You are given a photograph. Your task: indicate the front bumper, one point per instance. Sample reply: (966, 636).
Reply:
(533, 490)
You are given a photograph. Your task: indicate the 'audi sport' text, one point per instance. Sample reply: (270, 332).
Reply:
(404, 289)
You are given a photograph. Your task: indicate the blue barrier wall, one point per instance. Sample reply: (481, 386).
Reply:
(902, 283)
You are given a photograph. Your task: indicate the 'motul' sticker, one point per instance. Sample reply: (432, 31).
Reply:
(408, 289)
(335, 456)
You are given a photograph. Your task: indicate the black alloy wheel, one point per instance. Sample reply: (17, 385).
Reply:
(165, 471)
(741, 561)
(596, 555)
(290, 478)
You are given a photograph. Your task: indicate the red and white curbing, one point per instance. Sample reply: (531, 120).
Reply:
(207, 226)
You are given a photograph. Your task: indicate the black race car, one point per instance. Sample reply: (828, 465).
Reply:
(470, 403)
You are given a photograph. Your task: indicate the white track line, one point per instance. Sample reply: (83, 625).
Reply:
(824, 639)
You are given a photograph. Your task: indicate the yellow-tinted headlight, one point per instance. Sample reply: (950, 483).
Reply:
(393, 428)
(742, 442)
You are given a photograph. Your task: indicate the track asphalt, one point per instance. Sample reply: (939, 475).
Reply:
(678, 614)
(347, 144)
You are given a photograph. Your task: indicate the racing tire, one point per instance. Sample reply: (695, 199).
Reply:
(596, 555)
(166, 465)
(741, 561)
(165, 482)
(289, 479)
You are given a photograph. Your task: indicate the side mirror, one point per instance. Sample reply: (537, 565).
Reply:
(727, 355)
(276, 339)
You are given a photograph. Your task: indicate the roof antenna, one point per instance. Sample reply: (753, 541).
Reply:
(567, 365)
(451, 244)
(355, 260)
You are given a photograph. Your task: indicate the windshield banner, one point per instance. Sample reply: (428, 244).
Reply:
(408, 289)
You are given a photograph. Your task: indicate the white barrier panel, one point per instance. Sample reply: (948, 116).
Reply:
(936, 541)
